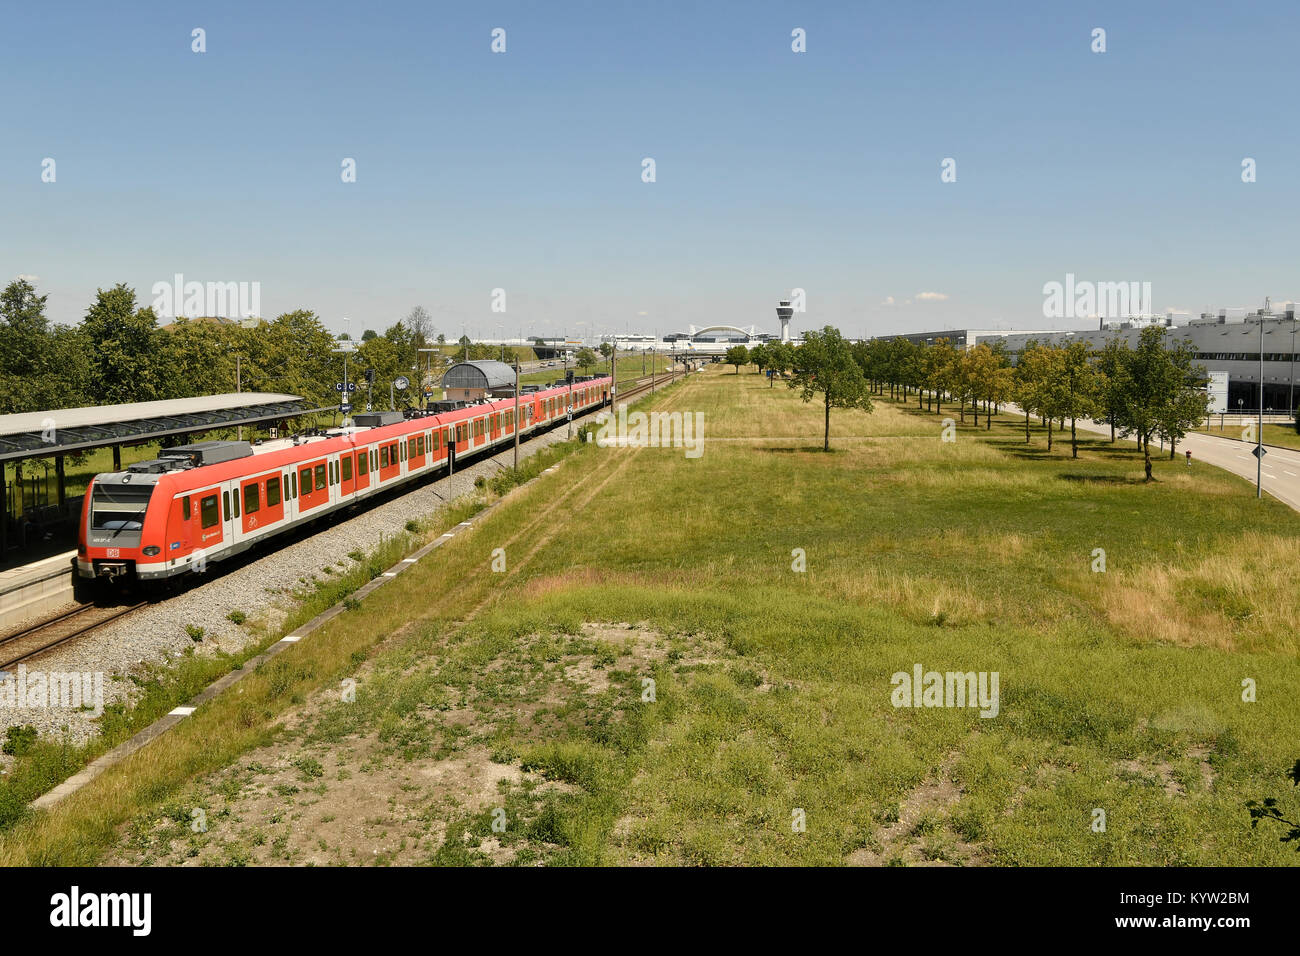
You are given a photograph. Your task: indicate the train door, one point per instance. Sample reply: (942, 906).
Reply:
(347, 477)
(362, 465)
(494, 422)
(180, 539)
(211, 526)
(313, 486)
(390, 465)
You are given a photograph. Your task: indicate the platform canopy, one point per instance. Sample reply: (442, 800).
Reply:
(488, 374)
(61, 431)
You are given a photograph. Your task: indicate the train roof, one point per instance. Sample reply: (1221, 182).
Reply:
(278, 453)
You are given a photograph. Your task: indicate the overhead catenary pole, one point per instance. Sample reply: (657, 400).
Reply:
(516, 411)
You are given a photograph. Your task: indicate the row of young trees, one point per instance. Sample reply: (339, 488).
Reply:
(1153, 390)
(120, 353)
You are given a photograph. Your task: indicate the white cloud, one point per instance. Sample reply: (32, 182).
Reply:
(889, 300)
(26, 278)
(931, 296)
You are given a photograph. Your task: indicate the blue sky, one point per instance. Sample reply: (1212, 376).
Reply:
(775, 170)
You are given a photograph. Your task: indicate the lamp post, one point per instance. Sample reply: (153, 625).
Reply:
(346, 347)
(1259, 432)
(1290, 405)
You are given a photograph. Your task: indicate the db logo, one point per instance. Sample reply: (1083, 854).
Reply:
(114, 552)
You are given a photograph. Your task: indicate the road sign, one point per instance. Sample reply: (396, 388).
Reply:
(345, 387)
(338, 386)
(1259, 451)
(368, 406)
(346, 408)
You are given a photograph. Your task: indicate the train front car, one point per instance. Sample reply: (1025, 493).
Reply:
(115, 542)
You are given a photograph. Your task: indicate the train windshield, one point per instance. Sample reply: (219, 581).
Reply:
(119, 507)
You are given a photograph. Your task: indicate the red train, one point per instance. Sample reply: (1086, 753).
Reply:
(213, 500)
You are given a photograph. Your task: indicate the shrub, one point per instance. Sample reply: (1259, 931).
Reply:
(19, 740)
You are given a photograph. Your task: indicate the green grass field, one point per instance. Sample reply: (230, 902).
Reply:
(520, 698)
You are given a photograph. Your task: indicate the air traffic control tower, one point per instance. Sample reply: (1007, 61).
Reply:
(783, 314)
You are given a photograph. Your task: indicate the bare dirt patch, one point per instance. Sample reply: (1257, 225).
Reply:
(920, 835)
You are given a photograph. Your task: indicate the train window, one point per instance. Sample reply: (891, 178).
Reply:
(293, 483)
(363, 463)
(410, 447)
(185, 507)
(460, 432)
(346, 464)
(400, 449)
(208, 515)
(419, 445)
(374, 460)
(320, 477)
(225, 505)
(305, 475)
(252, 498)
(383, 457)
(334, 478)
(236, 504)
(273, 491)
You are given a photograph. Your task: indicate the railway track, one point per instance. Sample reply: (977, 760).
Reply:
(23, 645)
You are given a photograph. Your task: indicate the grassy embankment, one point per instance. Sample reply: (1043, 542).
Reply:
(1120, 690)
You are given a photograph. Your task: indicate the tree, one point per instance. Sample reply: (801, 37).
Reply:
(737, 355)
(123, 345)
(1154, 378)
(937, 368)
(40, 365)
(1079, 387)
(1035, 378)
(758, 355)
(825, 364)
(420, 323)
(979, 369)
(585, 359)
(780, 358)
(369, 335)
(606, 350)
(1112, 383)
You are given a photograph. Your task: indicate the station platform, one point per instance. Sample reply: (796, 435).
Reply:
(34, 589)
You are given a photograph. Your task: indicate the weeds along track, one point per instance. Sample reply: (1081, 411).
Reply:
(21, 646)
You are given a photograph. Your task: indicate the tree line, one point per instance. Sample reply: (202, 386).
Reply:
(120, 353)
(1153, 390)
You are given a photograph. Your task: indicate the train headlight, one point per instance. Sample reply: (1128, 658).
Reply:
(152, 550)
